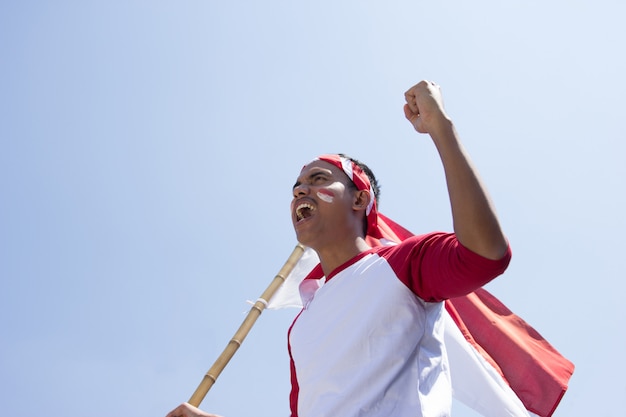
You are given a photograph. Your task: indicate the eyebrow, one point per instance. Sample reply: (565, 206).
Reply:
(314, 171)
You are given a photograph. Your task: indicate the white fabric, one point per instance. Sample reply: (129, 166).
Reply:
(381, 359)
(475, 382)
(288, 295)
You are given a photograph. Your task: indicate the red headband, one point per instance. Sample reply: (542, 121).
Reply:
(362, 182)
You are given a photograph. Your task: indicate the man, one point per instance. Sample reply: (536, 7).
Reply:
(369, 340)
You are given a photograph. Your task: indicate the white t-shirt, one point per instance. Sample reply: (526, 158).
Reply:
(365, 344)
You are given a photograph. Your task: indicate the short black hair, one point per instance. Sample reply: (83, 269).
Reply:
(370, 176)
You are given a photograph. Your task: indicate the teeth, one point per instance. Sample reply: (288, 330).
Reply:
(299, 214)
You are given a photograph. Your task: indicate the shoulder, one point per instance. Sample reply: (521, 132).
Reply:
(418, 243)
(436, 266)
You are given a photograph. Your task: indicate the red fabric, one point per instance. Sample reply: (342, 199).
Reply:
(435, 266)
(295, 389)
(536, 372)
(389, 230)
(362, 182)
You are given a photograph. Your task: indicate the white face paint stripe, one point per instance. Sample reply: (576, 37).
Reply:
(348, 168)
(325, 197)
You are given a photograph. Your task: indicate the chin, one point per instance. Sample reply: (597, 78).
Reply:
(306, 241)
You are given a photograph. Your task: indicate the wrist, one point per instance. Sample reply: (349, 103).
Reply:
(442, 130)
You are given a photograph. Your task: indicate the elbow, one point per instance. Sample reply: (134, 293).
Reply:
(497, 250)
(492, 249)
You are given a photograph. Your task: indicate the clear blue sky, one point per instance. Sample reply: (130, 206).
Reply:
(149, 149)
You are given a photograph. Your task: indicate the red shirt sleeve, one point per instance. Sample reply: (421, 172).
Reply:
(436, 266)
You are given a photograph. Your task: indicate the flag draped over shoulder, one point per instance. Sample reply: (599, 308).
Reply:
(499, 365)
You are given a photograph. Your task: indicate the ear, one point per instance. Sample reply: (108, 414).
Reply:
(361, 200)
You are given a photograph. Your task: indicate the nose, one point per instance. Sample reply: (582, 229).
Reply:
(300, 190)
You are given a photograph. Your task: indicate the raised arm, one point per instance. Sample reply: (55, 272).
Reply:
(475, 222)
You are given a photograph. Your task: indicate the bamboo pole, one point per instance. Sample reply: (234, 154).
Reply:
(218, 366)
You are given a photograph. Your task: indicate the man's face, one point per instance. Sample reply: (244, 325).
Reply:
(322, 204)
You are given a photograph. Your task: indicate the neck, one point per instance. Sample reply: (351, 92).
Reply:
(331, 257)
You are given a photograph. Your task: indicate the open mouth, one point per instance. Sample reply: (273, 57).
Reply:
(304, 211)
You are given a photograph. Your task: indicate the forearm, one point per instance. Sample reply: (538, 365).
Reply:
(475, 221)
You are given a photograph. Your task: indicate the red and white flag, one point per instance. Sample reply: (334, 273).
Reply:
(499, 365)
